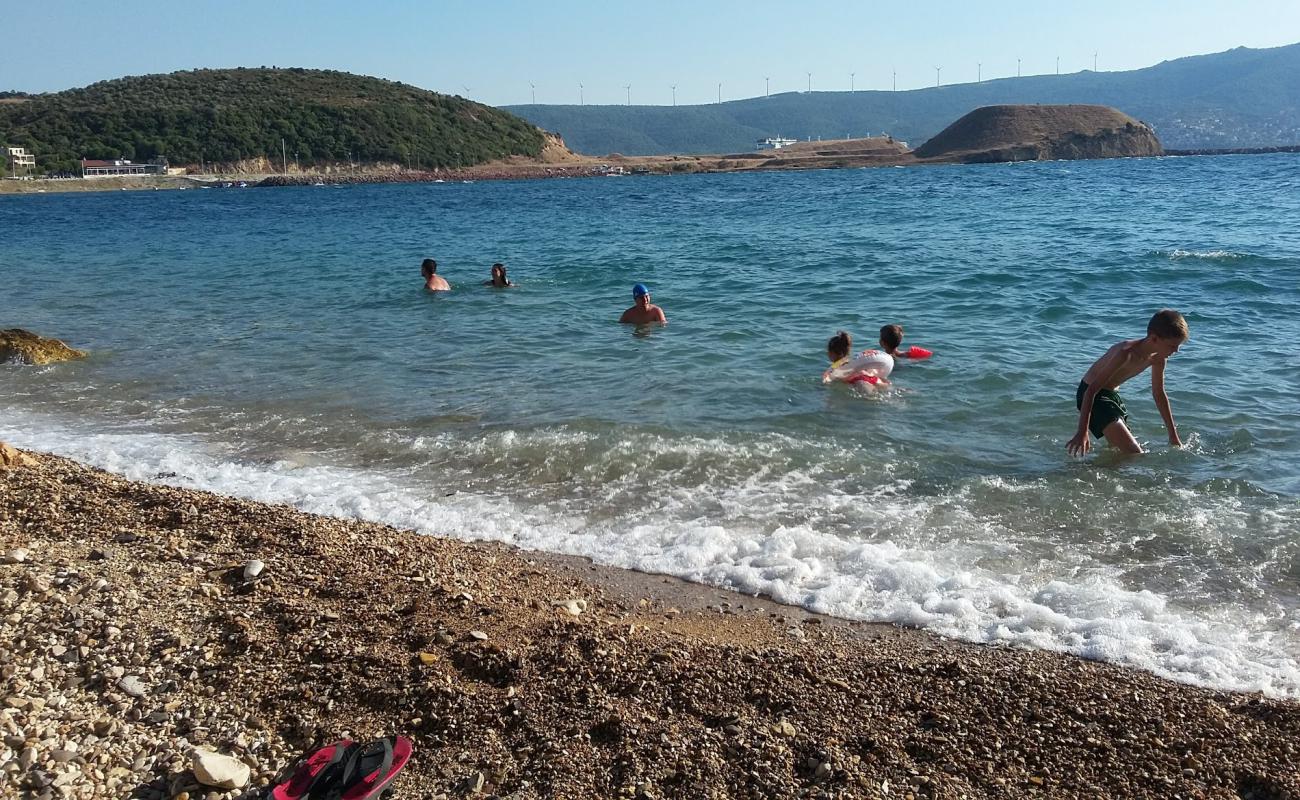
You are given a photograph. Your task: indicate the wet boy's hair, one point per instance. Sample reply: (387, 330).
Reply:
(428, 266)
(839, 345)
(1168, 324)
(891, 336)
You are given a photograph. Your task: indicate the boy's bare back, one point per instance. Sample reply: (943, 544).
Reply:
(1124, 360)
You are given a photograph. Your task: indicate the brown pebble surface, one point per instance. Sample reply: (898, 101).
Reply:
(130, 635)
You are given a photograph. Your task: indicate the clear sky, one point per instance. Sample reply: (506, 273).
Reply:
(490, 50)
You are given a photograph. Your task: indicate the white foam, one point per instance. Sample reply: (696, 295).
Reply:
(1057, 607)
(1208, 255)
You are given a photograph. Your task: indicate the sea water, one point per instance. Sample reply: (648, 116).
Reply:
(277, 344)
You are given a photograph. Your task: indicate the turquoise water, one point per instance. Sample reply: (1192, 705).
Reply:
(277, 344)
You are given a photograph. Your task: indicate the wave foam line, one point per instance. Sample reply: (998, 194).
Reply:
(880, 582)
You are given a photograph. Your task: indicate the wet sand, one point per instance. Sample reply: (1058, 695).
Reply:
(130, 636)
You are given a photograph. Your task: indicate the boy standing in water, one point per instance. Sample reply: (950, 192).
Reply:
(1101, 410)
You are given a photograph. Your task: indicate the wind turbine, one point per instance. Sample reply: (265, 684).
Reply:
(719, 93)
(629, 93)
(674, 94)
(937, 70)
(581, 100)
(851, 77)
(979, 72)
(810, 81)
(533, 86)
(1094, 60)
(767, 86)
(1017, 66)
(1058, 65)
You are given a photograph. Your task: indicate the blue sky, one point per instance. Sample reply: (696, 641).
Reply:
(490, 50)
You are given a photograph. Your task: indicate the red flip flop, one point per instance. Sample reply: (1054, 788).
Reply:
(346, 770)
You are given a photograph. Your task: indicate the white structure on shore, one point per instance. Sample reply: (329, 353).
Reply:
(20, 160)
(91, 168)
(775, 143)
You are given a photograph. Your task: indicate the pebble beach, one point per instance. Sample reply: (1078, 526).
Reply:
(150, 633)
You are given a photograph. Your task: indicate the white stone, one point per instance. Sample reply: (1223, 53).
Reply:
(131, 685)
(253, 568)
(222, 772)
(17, 555)
(574, 607)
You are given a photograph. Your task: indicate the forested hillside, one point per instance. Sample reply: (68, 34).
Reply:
(230, 115)
(1239, 98)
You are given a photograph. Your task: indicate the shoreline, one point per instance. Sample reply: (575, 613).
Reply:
(582, 167)
(130, 635)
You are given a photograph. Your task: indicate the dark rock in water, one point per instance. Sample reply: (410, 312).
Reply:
(25, 347)
(1041, 133)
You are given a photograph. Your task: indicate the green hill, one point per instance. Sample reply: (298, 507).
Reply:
(1239, 98)
(229, 115)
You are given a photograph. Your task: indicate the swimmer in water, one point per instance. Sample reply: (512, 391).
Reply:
(498, 279)
(891, 340)
(642, 310)
(432, 280)
(837, 350)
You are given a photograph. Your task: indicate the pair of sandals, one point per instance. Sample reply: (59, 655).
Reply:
(347, 770)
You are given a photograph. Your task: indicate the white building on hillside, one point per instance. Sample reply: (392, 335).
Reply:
(775, 143)
(21, 161)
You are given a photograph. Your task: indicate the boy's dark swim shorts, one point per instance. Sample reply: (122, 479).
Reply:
(1106, 408)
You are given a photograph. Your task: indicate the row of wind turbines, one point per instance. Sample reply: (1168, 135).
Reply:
(767, 82)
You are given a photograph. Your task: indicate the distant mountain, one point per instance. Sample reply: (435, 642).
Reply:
(1239, 98)
(231, 115)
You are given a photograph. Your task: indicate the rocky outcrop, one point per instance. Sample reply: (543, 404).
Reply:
(1041, 133)
(11, 456)
(25, 347)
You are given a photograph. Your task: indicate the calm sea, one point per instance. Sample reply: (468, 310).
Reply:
(277, 344)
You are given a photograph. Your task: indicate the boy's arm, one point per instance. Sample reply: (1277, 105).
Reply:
(1162, 401)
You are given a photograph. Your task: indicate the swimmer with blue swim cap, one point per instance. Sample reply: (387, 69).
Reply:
(642, 310)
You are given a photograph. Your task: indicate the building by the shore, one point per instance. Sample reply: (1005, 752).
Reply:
(92, 168)
(775, 143)
(20, 161)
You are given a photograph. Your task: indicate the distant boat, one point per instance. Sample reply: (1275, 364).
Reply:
(439, 180)
(467, 181)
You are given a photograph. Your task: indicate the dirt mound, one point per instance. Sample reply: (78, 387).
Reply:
(555, 151)
(1038, 133)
